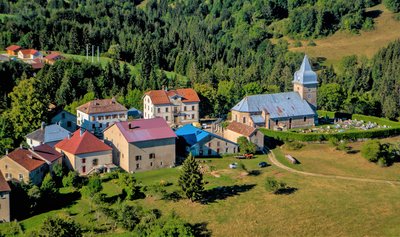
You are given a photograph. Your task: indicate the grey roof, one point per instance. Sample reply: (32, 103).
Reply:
(257, 119)
(305, 75)
(50, 133)
(280, 105)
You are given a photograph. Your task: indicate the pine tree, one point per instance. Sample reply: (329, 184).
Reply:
(191, 179)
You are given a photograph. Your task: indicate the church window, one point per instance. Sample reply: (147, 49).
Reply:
(276, 122)
(244, 119)
(305, 119)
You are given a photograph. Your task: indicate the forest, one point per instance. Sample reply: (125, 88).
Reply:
(222, 48)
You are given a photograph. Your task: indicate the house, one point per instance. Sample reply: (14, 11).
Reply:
(235, 130)
(29, 54)
(202, 143)
(134, 113)
(50, 134)
(53, 57)
(143, 144)
(13, 50)
(177, 107)
(282, 110)
(4, 58)
(30, 165)
(4, 199)
(84, 152)
(100, 114)
(66, 120)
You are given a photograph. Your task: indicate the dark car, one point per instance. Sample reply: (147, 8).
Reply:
(262, 164)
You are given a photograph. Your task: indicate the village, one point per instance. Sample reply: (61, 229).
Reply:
(103, 135)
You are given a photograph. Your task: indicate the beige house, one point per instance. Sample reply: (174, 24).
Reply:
(235, 130)
(143, 144)
(4, 199)
(177, 107)
(84, 152)
(29, 165)
(282, 111)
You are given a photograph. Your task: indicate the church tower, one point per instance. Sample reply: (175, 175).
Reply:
(305, 83)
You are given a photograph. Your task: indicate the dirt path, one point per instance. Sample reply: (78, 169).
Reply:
(280, 165)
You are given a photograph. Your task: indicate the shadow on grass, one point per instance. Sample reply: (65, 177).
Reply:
(255, 172)
(373, 13)
(200, 229)
(286, 191)
(353, 151)
(221, 193)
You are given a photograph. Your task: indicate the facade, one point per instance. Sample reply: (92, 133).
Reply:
(84, 152)
(66, 120)
(29, 54)
(177, 107)
(50, 135)
(29, 165)
(235, 130)
(100, 114)
(13, 50)
(202, 143)
(4, 199)
(143, 144)
(282, 111)
(53, 57)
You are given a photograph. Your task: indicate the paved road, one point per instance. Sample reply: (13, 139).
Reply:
(280, 165)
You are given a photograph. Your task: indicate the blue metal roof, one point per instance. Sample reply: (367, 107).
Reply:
(257, 119)
(280, 105)
(305, 76)
(191, 134)
(134, 112)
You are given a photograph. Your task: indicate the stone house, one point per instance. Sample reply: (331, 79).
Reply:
(4, 199)
(235, 130)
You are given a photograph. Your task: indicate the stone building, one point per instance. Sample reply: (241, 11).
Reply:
(4, 200)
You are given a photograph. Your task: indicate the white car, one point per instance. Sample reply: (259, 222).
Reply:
(233, 165)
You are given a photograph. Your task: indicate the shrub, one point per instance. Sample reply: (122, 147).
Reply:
(382, 162)
(60, 227)
(343, 146)
(246, 146)
(273, 186)
(311, 43)
(297, 44)
(333, 141)
(71, 180)
(368, 24)
(94, 186)
(241, 166)
(371, 150)
(294, 145)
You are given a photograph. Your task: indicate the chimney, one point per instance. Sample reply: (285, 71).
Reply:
(130, 125)
(42, 126)
(20, 146)
(82, 131)
(113, 100)
(163, 87)
(69, 136)
(6, 151)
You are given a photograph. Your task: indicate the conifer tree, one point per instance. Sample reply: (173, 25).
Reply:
(191, 179)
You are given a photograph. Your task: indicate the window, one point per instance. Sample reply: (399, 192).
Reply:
(6, 166)
(115, 116)
(151, 163)
(226, 150)
(166, 118)
(137, 166)
(63, 115)
(161, 163)
(244, 119)
(218, 150)
(138, 158)
(166, 110)
(92, 118)
(218, 143)
(100, 118)
(21, 177)
(305, 119)
(95, 162)
(235, 117)
(175, 109)
(309, 96)
(209, 152)
(276, 122)
(83, 169)
(209, 144)
(192, 116)
(192, 107)
(152, 156)
(69, 124)
(93, 126)
(101, 124)
(234, 150)
(108, 116)
(184, 108)
(158, 110)
(83, 161)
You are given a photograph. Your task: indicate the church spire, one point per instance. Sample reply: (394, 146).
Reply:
(305, 75)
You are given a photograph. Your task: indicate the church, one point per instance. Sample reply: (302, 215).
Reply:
(282, 111)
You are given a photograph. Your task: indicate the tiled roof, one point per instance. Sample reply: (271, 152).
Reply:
(52, 56)
(26, 159)
(47, 152)
(29, 51)
(280, 105)
(81, 144)
(4, 187)
(164, 97)
(145, 129)
(13, 47)
(101, 106)
(50, 133)
(305, 76)
(241, 128)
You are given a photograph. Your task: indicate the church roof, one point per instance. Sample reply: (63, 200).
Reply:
(305, 75)
(279, 105)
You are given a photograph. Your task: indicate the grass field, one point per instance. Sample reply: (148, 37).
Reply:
(319, 206)
(341, 44)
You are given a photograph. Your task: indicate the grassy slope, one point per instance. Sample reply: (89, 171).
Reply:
(341, 44)
(320, 207)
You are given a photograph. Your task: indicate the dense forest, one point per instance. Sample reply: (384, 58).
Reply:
(222, 49)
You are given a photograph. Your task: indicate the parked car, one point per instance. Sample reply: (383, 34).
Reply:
(233, 165)
(262, 164)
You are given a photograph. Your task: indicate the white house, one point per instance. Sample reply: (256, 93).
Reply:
(29, 54)
(49, 135)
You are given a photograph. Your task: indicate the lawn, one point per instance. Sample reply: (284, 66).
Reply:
(341, 44)
(319, 206)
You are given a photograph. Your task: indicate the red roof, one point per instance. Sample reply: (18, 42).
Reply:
(52, 56)
(163, 97)
(102, 106)
(4, 187)
(80, 144)
(145, 129)
(26, 159)
(241, 128)
(47, 152)
(29, 51)
(13, 47)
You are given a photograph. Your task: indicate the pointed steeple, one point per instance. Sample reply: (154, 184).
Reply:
(305, 75)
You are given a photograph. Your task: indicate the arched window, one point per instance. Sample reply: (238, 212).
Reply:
(95, 162)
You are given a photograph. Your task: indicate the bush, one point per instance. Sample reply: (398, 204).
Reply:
(297, 44)
(273, 186)
(343, 146)
(60, 227)
(241, 166)
(368, 24)
(72, 180)
(371, 150)
(294, 145)
(311, 43)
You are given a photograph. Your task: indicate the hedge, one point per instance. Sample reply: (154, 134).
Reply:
(350, 135)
